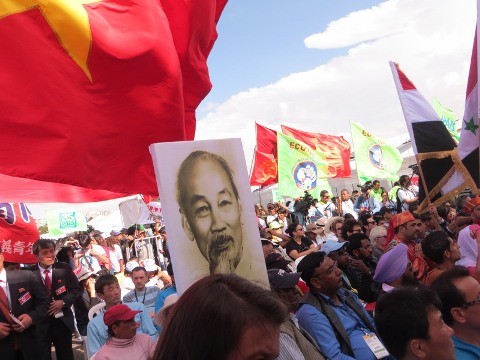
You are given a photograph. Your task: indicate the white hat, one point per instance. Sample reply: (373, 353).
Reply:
(149, 265)
(131, 265)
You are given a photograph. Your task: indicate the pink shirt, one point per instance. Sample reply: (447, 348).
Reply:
(140, 347)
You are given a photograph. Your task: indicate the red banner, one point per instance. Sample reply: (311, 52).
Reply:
(18, 233)
(336, 149)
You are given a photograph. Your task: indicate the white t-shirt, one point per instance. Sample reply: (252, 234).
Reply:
(271, 218)
(347, 208)
(326, 209)
(115, 257)
(91, 263)
(405, 194)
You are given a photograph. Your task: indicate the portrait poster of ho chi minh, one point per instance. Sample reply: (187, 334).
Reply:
(208, 210)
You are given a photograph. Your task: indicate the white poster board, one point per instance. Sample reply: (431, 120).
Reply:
(208, 210)
(134, 211)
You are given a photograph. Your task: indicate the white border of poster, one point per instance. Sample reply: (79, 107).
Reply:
(189, 264)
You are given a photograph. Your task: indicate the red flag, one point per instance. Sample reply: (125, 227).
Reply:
(336, 149)
(193, 29)
(88, 87)
(266, 140)
(18, 233)
(264, 170)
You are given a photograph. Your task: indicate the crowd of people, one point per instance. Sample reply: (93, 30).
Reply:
(363, 277)
(377, 280)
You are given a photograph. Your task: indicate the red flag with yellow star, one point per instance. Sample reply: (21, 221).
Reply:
(88, 85)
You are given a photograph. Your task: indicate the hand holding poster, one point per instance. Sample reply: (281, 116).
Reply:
(208, 210)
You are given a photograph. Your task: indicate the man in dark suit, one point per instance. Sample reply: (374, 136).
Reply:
(62, 289)
(23, 295)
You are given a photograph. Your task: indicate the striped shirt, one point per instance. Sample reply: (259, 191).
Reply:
(146, 297)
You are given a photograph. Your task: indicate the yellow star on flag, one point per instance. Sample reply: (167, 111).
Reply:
(68, 20)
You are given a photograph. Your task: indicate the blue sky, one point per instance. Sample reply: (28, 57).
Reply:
(261, 41)
(263, 71)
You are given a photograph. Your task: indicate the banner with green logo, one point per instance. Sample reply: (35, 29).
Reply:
(65, 220)
(374, 158)
(300, 168)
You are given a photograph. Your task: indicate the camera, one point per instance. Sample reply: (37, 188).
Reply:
(414, 168)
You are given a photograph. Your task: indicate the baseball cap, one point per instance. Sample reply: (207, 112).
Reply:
(266, 242)
(119, 312)
(275, 260)
(332, 245)
(281, 279)
(84, 274)
(115, 232)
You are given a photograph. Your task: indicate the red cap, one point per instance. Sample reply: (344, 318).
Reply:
(119, 313)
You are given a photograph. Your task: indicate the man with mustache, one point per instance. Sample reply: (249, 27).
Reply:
(211, 210)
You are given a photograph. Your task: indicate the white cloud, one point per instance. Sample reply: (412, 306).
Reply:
(430, 39)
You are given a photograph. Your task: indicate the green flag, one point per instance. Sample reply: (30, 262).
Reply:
(448, 118)
(374, 158)
(300, 168)
(64, 221)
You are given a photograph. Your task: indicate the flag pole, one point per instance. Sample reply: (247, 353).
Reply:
(252, 162)
(355, 153)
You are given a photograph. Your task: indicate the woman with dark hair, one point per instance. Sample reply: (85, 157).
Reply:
(300, 245)
(66, 255)
(386, 202)
(222, 317)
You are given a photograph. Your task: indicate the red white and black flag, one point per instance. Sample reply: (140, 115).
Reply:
(441, 169)
(468, 147)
